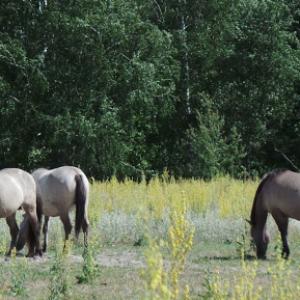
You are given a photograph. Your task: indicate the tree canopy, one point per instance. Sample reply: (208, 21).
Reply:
(131, 88)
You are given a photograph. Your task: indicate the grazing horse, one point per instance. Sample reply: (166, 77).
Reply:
(58, 191)
(18, 190)
(278, 194)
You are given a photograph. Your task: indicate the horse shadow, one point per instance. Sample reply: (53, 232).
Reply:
(247, 257)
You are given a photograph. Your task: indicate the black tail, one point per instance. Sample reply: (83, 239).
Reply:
(80, 201)
(27, 233)
(31, 237)
(39, 209)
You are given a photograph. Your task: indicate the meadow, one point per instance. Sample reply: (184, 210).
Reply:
(184, 239)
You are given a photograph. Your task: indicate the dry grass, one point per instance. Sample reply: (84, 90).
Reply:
(123, 214)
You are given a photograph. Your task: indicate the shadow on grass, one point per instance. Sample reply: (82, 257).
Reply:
(228, 258)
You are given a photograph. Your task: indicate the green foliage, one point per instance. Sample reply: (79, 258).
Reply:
(59, 285)
(206, 145)
(117, 87)
(162, 281)
(20, 273)
(211, 151)
(89, 269)
(214, 287)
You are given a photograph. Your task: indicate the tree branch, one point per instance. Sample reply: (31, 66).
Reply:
(286, 158)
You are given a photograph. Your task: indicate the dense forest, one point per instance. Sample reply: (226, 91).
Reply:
(133, 87)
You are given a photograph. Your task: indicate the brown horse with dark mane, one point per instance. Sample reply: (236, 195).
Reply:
(278, 194)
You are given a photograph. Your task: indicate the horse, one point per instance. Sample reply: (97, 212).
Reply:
(278, 194)
(18, 190)
(58, 191)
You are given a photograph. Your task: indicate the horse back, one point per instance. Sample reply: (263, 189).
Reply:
(56, 189)
(17, 188)
(283, 193)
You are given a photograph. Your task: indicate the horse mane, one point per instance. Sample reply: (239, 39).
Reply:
(267, 177)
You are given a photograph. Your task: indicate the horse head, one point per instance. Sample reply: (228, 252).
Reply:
(261, 240)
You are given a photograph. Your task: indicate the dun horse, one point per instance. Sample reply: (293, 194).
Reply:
(58, 191)
(18, 190)
(278, 194)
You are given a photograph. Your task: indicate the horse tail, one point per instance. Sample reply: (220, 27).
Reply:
(80, 202)
(267, 177)
(27, 233)
(39, 209)
(31, 236)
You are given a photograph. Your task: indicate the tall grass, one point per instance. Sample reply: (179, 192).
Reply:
(20, 271)
(215, 209)
(230, 197)
(172, 213)
(59, 281)
(118, 209)
(163, 272)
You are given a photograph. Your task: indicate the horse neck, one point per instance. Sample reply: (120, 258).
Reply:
(260, 214)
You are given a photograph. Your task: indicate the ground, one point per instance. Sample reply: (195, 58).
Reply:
(120, 268)
(122, 218)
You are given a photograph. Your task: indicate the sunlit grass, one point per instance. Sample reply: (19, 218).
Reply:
(230, 197)
(122, 217)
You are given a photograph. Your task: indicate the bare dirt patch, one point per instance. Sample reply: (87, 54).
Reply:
(126, 258)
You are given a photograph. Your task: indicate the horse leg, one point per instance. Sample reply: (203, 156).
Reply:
(67, 226)
(14, 230)
(85, 229)
(35, 226)
(45, 233)
(282, 223)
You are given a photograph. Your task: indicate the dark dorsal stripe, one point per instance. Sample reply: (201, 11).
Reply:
(264, 180)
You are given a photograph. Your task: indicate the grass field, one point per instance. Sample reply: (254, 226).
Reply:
(134, 240)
